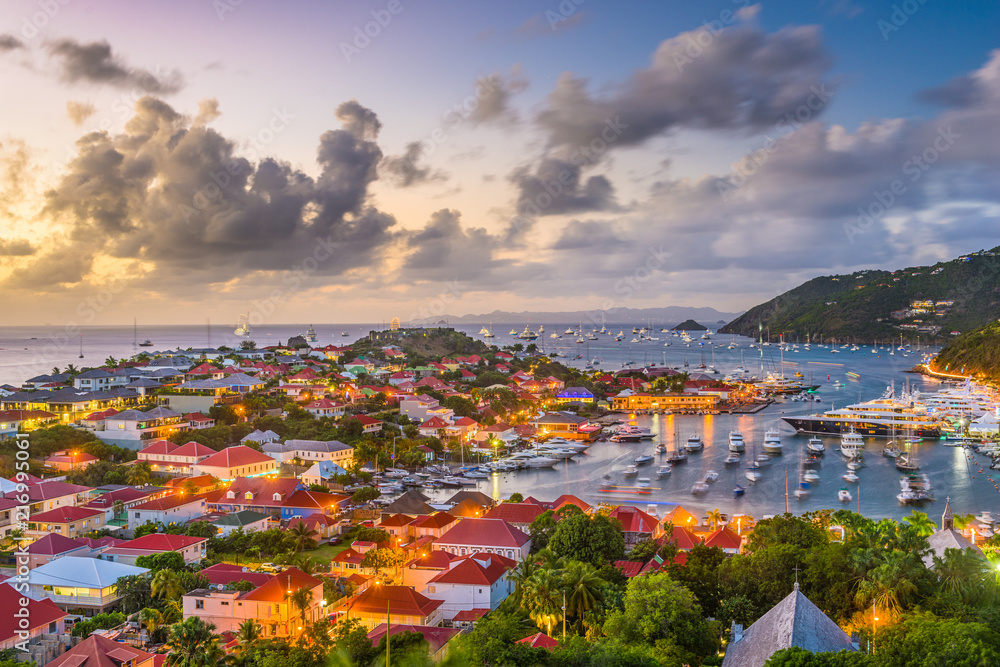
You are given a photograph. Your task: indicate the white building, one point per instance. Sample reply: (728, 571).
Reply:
(478, 582)
(310, 451)
(72, 582)
(164, 511)
(485, 536)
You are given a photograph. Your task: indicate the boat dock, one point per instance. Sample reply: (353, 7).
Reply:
(747, 408)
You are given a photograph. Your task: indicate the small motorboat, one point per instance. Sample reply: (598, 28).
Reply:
(752, 473)
(631, 471)
(904, 463)
(802, 491)
(762, 458)
(699, 488)
(736, 443)
(661, 448)
(732, 459)
(891, 451)
(694, 443)
(678, 457)
(810, 476)
(663, 471)
(643, 460)
(815, 445)
(738, 491)
(711, 476)
(856, 464)
(643, 482)
(772, 441)
(844, 496)
(850, 476)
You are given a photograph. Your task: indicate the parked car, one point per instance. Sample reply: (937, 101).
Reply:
(268, 567)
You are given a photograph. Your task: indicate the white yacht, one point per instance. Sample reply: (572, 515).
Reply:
(852, 444)
(736, 443)
(694, 443)
(772, 441)
(815, 445)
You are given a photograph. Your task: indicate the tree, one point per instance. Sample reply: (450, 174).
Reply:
(135, 593)
(584, 589)
(492, 642)
(167, 584)
(167, 560)
(303, 537)
(889, 585)
(515, 498)
(365, 494)
(715, 518)
(139, 474)
(383, 559)
(700, 575)
(596, 539)
(800, 657)
(660, 612)
(117, 508)
(542, 598)
(925, 639)
(301, 599)
(151, 618)
(192, 643)
(921, 523)
(248, 345)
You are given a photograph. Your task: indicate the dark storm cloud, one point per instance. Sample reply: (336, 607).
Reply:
(590, 235)
(179, 197)
(495, 93)
(557, 187)
(405, 170)
(95, 63)
(15, 248)
(9, 42)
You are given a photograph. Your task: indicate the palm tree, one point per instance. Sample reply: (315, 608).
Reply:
(151, 618)
(584, 588)
(193, 644)
(167, 584)
(173, 610)
(117, 508)
(921, 523)
(302, 536)
(111, 361)
(714, 518)
(542, 597)
(138, 474)
(890, 584)
(962, 521)
(248, 633)
(302, 600)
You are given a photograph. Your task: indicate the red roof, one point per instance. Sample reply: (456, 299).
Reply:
(226, 573)
(470, 615)
(159, 542)
(539, 640)
(348, 555)
(366, 420)
(478, 569)
(193, 449)
(485, 532)
(724, 538)
(634, 520)
(170, 502)
(277, 588)
(629, 568)
(46, 490)
(432, 560)
(402, 600)
(435, 422)
(98, 651)
(684, 538)
(197, 417)
(235, 457)
(53, 544)
(314, 500)
(159, 447)
(568, 499)
(65, 515)
(39, 613)
(396, 521)
(515, 512)
(436, 637)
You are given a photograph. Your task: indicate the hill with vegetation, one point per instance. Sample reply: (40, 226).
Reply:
(926, 301)
(973, 353)
(690, 325)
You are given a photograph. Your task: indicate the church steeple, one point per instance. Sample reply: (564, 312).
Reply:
(947, 520)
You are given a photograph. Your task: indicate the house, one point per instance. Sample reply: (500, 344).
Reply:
(198, 421)
(52, 546)
(165, 511)
(268, 604)
(519, 515)
(411, 502)
(567, 425)
(405, 605)
(260, 437)
(248, 520)
(65, 521)
(13, 422)
(310, 451)
(70, 460)
(193, 549)
(428, 564)
(795, 621)
(636, 524)
(725, 539)
(77, 583)
(325, 408)
(282, 498)
(49, 495)
(432, 525)
(164, 457)
(500, 432)
(98, 651)
(397, 525)
(225, 574)
(437, 638)
(323, 525)
(539, 640)
(947, 538)
(41, 617)
(131, 428)
(434, 427)
(574, 395)
(369, 424)
(349, 561)
(237, 461)
(323, 474)
(486, 536)
(478, 581)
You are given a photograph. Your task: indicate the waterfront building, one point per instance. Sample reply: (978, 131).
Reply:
(628, 401)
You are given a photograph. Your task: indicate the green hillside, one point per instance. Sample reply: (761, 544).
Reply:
(974, 353)
(873, 305)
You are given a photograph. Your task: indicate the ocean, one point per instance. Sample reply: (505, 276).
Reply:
(954, 472)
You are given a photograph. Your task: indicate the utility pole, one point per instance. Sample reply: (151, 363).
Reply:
(564, 616)
(388, 626)
(786, 489)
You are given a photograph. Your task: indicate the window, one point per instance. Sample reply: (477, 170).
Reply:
(432, 589)
(225, 603)
(199, 604)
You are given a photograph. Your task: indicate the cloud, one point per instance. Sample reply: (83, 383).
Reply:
(79, 112)
(208, 110)
(968, 90)
(15, 248)
(494, 93)
(95, 63)
(9, 42)
(541, 25)
(557, 187)
(180, 200)
(589, 235)
(743, 78)
(405, 170)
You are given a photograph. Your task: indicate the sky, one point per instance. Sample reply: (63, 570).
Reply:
(358, 161)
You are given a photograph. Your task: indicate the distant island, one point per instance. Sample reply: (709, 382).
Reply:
(659, 316)
(690, 325)
(934, 303)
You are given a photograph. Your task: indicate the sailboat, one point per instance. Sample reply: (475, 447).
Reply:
(678, 455)
(243, 326)
(487, 332)
(81, 346)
